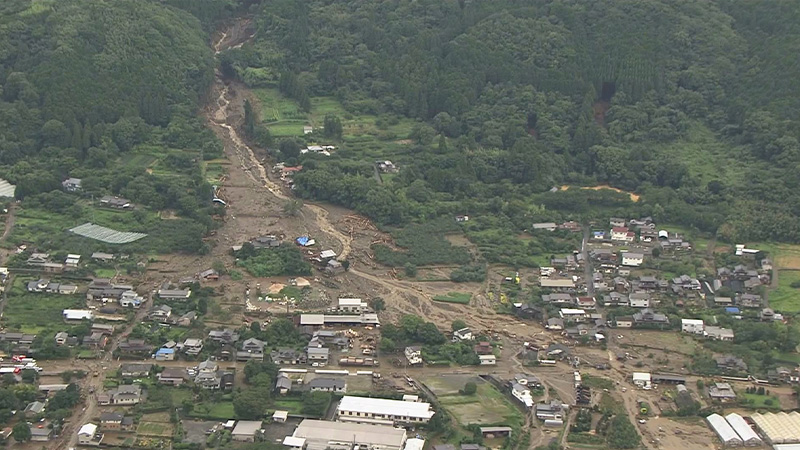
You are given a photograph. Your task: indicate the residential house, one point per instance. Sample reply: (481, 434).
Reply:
(34, 409)
(527, 380)
(334, 267)
(73, 260)
(632, 259)
(617, 222)
(335, 385)
(550, 411)
(115, 202)
(135, 370)
(722, 392)
(464, 334)
(487, 360)
(226, 336)
(77, 315)
(555, 324)
(624, 321)
(730, 363)
(130, 299)
(116, 422)
(193, 346)
(647, 316)
(160, 313)
(318, 357)
(38, 259)
(693, 326)
(209, 275)
(558, 298)
(174, 294)
(522, 393)
(639, 300)
(208, 376)
(61, 337)
(283, 384)
(413, 355)
(642, 380)
(126, 394)
(173, 376)
(386, 166)
(284, 356)
(186, 319)
(88, 435)
(252, 349)
(483, 348)
(137, 347)
(749, 301)
(246, 430)
(43, 434)
(622, 234)
(648, 283)
(557, 351)
(103, 257)
(586, 302)
(528, 311)
(268, 241)
(723, 301)
(72, 184)
(615, 299)
(648, 235)
(767, 315)
(165, 354)
(572, 314)
(718, 333)
(546, 226)
(95, 341)
(352, 305)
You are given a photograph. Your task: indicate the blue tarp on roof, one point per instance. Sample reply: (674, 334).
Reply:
(165, 351)
(732, 310)
(302, 240)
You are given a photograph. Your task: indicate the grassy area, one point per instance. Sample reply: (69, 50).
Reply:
(294, 406)
(454, 297)
(32, 313)
(785, 298)
(487, 406)
(219, 410)
(760, 401)
(105, 273)
(154, 429)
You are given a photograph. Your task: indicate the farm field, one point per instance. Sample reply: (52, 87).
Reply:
(210, 410)
(487, 406)
(462, 298)
(786, 298)
(32, 313)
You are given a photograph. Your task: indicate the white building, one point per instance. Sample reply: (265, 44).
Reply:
(464, 334)
(743, 429)
(414, 355)
(523, 394)
(88, 435)
(622, 234)
(724, 430)
(693, 326)
(488, 360)
(642, 380)
(639, 300)
(323, 435)
(382, 411)
(352, 305)
(77, 314)
(576, 315)
(631, 259)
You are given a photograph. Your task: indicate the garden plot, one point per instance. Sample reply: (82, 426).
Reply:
(487, 406)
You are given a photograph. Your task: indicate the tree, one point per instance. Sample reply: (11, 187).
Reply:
(249, 119)
(251, 403)
(22, 432)
(316, 403)
(410, 270)
(289, 148)
(622, 434)
(333, 126)
(470, 388)
(378, 304)
(292, 207)
(388, 345)
(458, 324)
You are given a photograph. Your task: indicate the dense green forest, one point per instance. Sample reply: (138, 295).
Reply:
(107, 91)
(690, 104)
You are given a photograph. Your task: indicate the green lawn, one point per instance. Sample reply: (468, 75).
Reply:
(209, 410)
(105, 273)
(294, 406)
(454, 297)
(758, 401)
(785, 298)
(487, 406)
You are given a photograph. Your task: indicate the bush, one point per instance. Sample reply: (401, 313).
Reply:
(470, 388)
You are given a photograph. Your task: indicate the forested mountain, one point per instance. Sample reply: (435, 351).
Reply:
(89, 84)
(689, 103)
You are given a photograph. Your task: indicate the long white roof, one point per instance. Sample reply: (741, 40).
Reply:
(742, 428)
(385, 406)
(780, 428)
(723, 429)
(88, 429)
(318, 434)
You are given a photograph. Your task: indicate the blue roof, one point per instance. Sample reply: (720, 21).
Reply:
(732, 309)
(302, 240)
(165, 351)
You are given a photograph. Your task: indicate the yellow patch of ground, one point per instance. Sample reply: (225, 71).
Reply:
(634, 197)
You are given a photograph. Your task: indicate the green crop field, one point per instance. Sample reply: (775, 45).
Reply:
(32, 313)
(159, 429)
(454, 297)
